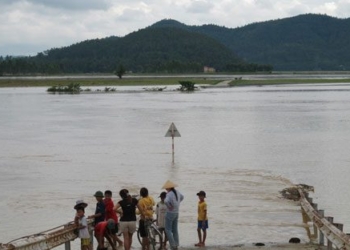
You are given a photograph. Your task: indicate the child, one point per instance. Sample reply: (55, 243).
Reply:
(104, 230)
(83, 228)
(160, 212)
(111, 214)
(202, 219)
(146, 204)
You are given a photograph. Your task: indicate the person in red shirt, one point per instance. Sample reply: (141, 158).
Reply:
(104, 230)
(111, 214)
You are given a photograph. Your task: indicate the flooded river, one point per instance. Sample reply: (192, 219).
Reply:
(241, 145)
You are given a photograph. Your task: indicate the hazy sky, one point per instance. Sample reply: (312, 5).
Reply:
(31, 26)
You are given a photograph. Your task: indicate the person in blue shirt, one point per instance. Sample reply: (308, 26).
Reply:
(100, 211)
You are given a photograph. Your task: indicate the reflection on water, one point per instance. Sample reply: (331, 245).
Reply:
(241, 145)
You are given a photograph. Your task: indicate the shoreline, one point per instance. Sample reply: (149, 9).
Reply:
(212, 80)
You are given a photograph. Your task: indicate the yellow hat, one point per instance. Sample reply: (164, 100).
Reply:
(169, 184)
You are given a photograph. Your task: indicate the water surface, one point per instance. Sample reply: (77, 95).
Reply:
(241, 145)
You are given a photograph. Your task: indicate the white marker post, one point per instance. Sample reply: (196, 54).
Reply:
(172, 132)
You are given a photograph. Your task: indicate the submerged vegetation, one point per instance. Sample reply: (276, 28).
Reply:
(187, 86)
(74, 88)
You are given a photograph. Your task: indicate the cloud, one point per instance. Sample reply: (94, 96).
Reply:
(200, 7)
(44, 24)
(75, 5)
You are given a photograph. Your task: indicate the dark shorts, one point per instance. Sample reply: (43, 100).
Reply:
(200, 225)
(142, 229)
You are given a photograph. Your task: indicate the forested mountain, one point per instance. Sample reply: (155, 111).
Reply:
(167, 50)
(305, 42)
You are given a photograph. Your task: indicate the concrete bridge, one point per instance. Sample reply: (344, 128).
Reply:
(322, 232)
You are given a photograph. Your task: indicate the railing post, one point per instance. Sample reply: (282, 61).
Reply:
(339, 226)
(321, 239)
(315, 235)
(329, 243)
(91, 231)
(67, 243)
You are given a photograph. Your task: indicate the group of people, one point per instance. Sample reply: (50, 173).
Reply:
(107, 224)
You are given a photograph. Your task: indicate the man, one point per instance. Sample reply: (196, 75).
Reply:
(99, 215)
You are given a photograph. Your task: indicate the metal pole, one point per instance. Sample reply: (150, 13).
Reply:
(172, 137)
(173, 147)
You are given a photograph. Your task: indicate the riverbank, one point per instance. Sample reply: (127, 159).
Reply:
(164, 80)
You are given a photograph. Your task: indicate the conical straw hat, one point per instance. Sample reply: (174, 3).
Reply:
(169, 184)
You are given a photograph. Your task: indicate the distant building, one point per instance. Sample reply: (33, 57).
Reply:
(207, 69)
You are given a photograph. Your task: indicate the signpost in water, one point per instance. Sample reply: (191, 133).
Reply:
(172, 132)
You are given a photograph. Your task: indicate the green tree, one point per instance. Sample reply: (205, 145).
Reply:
(187, 86)
(120, 71)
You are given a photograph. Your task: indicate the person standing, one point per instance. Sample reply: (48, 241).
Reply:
(82, 226)
(99, 215)
(146, 204)
(111, 214)
(127, 222)
(160, 212)
(202, 224)
(172, 202)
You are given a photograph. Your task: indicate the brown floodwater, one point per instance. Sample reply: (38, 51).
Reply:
(241, 145)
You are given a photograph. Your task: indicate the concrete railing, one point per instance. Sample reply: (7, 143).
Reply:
(46, 240)
(324, 225)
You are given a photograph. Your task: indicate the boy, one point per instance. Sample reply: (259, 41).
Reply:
(145, 204)
(104, 230)
(111, 214)
(83, 228)
(160, 212)
(202, 219)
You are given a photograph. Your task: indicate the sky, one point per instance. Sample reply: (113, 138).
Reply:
(28, 27)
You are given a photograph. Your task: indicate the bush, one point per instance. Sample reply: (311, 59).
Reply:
(187, 86)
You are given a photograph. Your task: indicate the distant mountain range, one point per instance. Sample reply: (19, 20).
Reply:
(305, 42)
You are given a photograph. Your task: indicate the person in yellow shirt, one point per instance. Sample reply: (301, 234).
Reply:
(202, 219)
(146, 204)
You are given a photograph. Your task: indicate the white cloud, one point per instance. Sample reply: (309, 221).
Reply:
(44, 24)
(202, 7)
(76, 5)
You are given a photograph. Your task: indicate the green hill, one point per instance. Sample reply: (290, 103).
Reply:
(151, 50)
(304, 42)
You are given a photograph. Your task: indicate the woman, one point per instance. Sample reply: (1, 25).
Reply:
(172, 202)
(127, 221)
